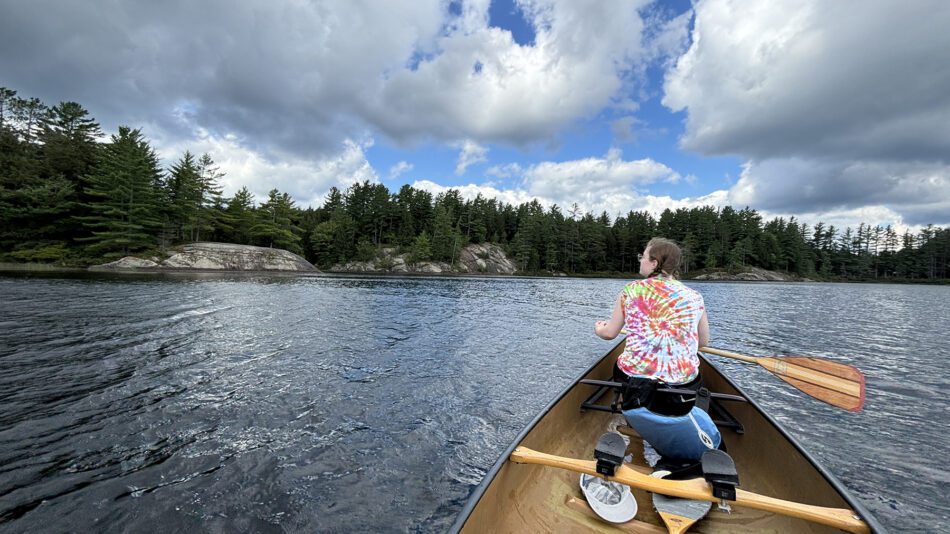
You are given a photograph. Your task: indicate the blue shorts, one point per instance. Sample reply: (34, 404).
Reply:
(684, 437)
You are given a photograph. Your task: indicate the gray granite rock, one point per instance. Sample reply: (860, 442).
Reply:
(231, 257)
(486, 258)
(753, 274)
(128, 262)
(482, 258)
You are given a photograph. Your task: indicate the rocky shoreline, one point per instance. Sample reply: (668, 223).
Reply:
(751, 274)
(476, 259)
(208, 256)
(484, 258)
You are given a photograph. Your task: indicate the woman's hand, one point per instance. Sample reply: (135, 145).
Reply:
(611, 329)
(602, 329)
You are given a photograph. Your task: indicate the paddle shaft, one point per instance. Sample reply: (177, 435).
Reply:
(698, 489)
(727, 354)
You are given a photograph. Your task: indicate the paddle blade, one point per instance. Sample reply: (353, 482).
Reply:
(679, 514)
(834, 383)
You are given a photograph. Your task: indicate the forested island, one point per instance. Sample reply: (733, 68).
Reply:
(69, 198)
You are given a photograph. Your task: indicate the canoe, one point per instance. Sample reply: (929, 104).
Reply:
(518, 497)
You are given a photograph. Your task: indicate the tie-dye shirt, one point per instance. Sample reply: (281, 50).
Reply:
(661, 316)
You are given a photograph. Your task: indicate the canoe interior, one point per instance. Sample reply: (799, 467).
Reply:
(531, 498)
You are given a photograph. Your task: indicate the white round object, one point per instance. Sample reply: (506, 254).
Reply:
(612, 501)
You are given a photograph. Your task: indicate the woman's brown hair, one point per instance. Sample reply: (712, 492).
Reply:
(667, 255)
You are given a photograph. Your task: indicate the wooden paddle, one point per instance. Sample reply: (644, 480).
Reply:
(698, 489)
(832, 382)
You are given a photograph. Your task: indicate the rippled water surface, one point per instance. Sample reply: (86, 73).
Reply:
(282, 403)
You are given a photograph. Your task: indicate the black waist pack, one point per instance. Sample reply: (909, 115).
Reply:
(638, 391)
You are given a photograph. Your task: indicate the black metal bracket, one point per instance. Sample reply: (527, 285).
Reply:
(607, 384)
(720, 471)
(724, 419)
(720, 415)
(591, 402)
(609, 453)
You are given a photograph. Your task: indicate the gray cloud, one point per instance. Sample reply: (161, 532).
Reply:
(303, 77)
(835, 105)
(281, 75)
(917, 191)
(818, 78)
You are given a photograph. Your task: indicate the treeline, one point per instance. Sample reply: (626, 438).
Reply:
(66, 197)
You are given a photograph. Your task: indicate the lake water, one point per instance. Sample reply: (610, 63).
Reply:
(233, 403)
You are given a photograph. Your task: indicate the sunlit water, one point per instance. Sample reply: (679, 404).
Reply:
(229, 403)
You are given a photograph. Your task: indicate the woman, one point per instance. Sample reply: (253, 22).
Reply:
(665, 324)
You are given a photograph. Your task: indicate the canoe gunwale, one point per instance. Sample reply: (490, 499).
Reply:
(479, 491)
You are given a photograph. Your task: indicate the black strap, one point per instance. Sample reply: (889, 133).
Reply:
(613, 384)
(702, 399)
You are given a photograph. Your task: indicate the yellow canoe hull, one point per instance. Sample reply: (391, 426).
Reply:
(533, 498)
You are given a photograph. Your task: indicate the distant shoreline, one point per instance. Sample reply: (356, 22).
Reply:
(42, 268)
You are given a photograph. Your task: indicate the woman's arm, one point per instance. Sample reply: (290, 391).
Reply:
(704, 330)
(610, 329)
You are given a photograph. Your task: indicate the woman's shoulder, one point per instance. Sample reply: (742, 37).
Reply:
(677, 286)
(685, 289)
(633, 285)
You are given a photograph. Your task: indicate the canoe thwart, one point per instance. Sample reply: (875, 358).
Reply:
(618, 385)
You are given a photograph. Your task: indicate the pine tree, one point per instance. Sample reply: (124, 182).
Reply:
(183, 196)
(125, 211)
(240, 215)
(207, 211)
(421, 250)
(69, 140)
(275, 226)
(444, 236)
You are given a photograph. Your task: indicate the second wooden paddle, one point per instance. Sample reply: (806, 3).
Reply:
(834, 383)
(678, 514)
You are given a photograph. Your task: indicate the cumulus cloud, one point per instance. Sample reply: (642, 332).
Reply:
(301, 77)
(307, 181)
(920, 190)
(816, 78)
(875, 215)
(667, 38)
(834, 106)
(504, 171)
(288, 77)
(471, 153)
(617, 204)
(470, 191)
(482, 85)
(594, 177)
(398, 169)
(609, 184)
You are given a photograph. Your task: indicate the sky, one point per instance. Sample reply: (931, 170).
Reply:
(827, 110)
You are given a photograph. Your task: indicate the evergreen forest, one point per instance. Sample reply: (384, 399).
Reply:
(71, 196)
